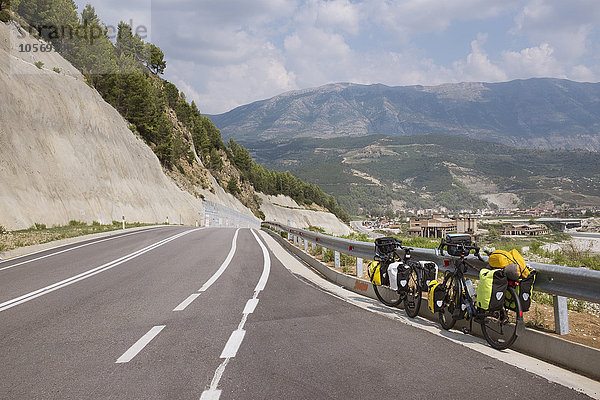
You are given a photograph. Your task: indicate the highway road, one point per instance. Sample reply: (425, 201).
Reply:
(184, 313)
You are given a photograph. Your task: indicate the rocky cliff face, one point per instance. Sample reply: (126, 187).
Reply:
(540, 113)
(65, 154)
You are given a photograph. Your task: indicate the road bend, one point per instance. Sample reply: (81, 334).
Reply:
(212, 313)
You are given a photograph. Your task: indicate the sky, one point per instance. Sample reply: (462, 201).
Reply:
(227, 53)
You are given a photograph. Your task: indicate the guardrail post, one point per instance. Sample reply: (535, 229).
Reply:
(359, 267)
(305, 245)
(323, 253)
(337, 258)
(561, 315)
(314, 246)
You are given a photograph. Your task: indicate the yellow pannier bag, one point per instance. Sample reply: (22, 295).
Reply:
(512, 261)
(435, 296)
(374, 272)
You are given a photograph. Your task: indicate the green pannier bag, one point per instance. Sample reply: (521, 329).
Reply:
(523, 291)
(491, 290)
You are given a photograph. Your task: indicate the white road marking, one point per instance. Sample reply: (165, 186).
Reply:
(224, 266)
(266, 268)
(182, 306)
(541, 368)
(104, 267)
(140, 344)
(233, 344)
(186, 302)
(64, 251)
(250, 306)
(237, 336)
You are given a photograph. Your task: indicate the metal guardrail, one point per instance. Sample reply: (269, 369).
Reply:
(556, 280)
(216, 214)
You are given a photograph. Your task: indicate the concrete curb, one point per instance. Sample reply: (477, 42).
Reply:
(574, 356)
(22, 251)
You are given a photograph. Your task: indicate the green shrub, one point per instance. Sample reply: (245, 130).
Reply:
(39, 64)
(4, 16)
(2, 230)
(56, 69)
(76, 223)
(39, 226)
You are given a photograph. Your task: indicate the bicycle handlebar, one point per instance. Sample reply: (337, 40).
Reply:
(470, 248)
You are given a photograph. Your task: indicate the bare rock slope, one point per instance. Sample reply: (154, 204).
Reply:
(65, 154)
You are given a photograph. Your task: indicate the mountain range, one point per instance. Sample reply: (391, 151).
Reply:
(536, 113)
(376, 173)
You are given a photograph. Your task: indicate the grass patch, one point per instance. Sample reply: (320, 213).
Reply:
(39, 233)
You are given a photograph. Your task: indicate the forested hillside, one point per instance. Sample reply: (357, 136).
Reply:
(127, 75)
(378, 174)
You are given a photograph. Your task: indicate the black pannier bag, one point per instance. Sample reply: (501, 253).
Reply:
(524, 291)
(427, 273)
(455, 243)
(403, 277)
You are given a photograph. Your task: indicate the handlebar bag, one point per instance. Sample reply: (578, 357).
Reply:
(385, 245)
(435, 296)
(491, 291)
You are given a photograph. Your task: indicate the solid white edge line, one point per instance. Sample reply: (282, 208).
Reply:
(66, 282)
(540, 368)
(64, 251)
(140, 344)
(233, 344)
(266, 266)
(223, 266)
(250, 306)
(186, 302)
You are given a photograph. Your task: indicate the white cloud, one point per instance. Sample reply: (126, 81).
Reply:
(224, 53)
(478, 66)
(565, 26)
(532, 62)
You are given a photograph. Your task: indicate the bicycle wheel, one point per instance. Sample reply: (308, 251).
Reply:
(387, 296)
(500, 327)
(412, 301)
(451, 300)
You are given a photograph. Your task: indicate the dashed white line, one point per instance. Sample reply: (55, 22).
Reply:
(233, 344)
(237, 336)
(140, 344)
(186, 302)
(250, 306)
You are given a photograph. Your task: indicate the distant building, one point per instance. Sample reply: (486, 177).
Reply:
(467, 225)
(438, 226)
(526, 230)
(435, 227)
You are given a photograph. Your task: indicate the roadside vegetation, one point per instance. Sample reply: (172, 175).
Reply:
(40, 233)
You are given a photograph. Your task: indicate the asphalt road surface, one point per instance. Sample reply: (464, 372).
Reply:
(183, 313)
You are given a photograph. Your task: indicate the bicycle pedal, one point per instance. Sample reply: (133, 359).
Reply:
(466, 331)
